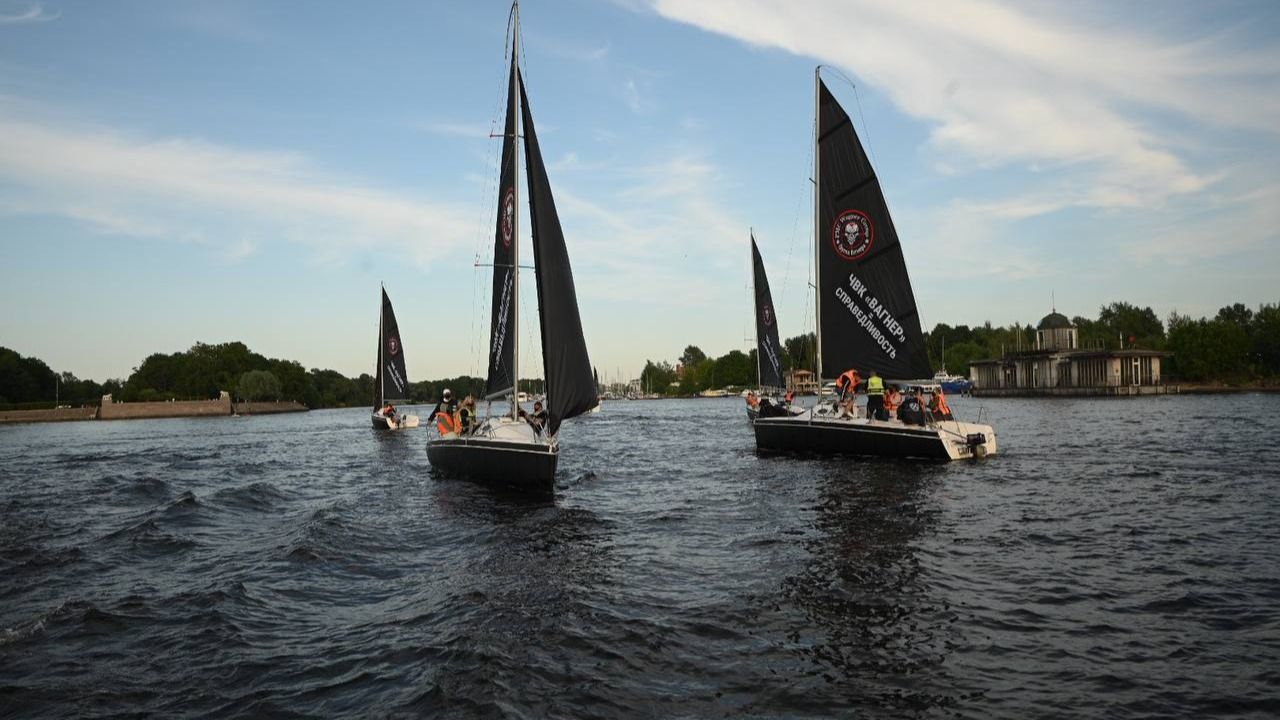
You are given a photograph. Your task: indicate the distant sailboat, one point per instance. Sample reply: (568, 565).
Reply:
(866, 312)
(768, 348)
(390, 381)
(508, 450)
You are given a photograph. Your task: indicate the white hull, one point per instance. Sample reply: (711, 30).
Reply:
(399, 422)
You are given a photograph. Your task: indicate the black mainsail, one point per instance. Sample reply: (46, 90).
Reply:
(392, 381)
(867, 315)
(503, 328)
(768, 357)
(570, 387)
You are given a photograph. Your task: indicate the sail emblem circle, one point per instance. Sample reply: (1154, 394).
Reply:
(852, 234)
(508, 216)
(393, 345)
(767, 315)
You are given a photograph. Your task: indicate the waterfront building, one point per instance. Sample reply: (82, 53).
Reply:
(1056, 365)
(802, 382)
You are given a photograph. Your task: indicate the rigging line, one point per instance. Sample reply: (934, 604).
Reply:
(795, 220)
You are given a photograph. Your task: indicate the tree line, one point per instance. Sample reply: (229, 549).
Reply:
(1237, 345)
(205, 370)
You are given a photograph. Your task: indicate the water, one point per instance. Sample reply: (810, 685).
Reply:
(1120, 558)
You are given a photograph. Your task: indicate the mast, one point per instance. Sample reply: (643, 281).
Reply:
(756, 324)
(377, 380)
(817, 232)
(515, 221)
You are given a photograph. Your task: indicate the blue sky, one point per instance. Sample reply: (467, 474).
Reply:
(173, 172)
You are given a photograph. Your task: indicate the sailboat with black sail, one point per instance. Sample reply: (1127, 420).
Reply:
(768, 349)
(866, 312)
(390, 381)
(511, 450)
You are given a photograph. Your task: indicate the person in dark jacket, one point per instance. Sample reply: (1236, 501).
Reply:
(536, 419)
(446, 405)
(911, 411)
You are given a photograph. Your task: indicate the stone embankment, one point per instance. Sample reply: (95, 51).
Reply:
(268, 408)
(112, 410)
(51, 415)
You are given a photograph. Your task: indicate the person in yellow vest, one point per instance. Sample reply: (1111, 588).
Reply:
(875, 397)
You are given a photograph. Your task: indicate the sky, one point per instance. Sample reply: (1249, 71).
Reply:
(174, 172)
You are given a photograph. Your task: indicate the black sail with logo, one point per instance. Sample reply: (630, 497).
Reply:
(768, 350)
(570, 387)
(868, 318)
(502, 333)
(393, 381)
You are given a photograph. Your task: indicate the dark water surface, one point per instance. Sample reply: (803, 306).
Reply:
(1120, 558)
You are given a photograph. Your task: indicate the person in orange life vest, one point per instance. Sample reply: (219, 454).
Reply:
(892, 399)
(938, 406)
(753, 402)
(389, 411)
(789, 396)
(443, 413)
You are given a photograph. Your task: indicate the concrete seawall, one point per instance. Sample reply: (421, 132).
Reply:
(1102, 391)
(112, 410)
(268, 408)
(51, 415)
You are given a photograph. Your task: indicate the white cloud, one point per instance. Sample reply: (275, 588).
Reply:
(200, 192)
(1010, 85)
(476, 131)
(34, 13)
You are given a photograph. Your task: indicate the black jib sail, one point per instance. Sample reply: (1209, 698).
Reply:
(393, 381)
(570, 388)
(768, 350)
(867, 313)
(502, 333)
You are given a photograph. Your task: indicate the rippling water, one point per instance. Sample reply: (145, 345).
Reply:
(1120, 558)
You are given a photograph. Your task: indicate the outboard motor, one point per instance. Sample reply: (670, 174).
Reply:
(977, 443)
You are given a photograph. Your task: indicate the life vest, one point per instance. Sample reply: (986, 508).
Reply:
(875, 385)
(446, 424)
(940, 405)
(849, 380)
(889, 404)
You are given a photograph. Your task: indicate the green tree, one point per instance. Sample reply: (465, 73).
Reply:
(1266, 339)
(801, 352)
(691, 356)
(1134, 324)
(259, 385)
(657, 377)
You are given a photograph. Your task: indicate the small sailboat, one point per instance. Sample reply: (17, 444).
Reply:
(768, 348)
(508, 450)
(390, 381)
(866, 312)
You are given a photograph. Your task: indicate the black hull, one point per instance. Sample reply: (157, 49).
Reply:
(845, 438)
(506, 464)
(380, 422)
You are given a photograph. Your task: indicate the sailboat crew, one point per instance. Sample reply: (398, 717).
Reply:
(875, 397)
(892, 399)
(938, 406)
(443, 413)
